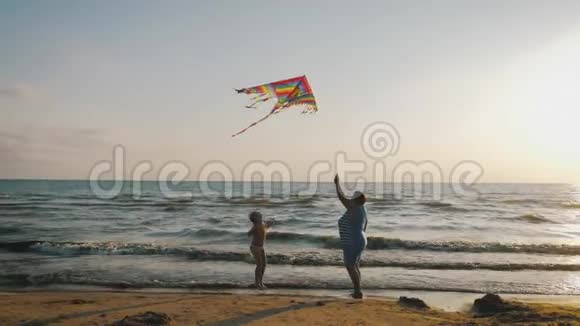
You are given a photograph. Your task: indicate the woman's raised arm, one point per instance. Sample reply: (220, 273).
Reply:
(339, 193)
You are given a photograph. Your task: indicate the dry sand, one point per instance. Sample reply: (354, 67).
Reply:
(104, 308)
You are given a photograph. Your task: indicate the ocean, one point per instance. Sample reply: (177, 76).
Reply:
(511, 238)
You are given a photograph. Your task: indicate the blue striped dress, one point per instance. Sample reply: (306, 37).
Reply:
(352, 236)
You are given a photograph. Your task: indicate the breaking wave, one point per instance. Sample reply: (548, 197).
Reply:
(535, 218)
(119, 248)
(571, 205)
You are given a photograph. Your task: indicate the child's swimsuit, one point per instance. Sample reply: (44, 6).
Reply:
(352, 235)
(259, 236)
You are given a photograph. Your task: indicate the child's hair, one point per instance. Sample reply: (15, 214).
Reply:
(254, 215)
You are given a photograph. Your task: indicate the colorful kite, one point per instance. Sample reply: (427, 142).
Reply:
(288, 93)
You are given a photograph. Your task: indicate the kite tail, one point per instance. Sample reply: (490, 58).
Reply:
(257, 100)
(275, 110)
(309, 109)
(253, 124)
(257, 96)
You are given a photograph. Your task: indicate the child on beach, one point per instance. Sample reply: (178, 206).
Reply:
(258, 234)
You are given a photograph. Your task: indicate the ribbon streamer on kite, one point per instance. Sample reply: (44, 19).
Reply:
(288, 93)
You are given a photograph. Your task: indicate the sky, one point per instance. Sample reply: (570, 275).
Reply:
(494, 82)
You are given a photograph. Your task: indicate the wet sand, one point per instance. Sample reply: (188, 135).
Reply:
(107, 307)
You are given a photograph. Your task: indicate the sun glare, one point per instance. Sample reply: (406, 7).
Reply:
(547, 85)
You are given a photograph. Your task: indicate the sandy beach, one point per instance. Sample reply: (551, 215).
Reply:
(110, 308)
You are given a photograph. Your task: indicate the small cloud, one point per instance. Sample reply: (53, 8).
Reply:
(51, 151)
(16, 92)
(12, 137)
(10, 92)
(49, 142)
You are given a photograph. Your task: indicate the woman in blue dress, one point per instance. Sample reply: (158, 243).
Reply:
(352, 227)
